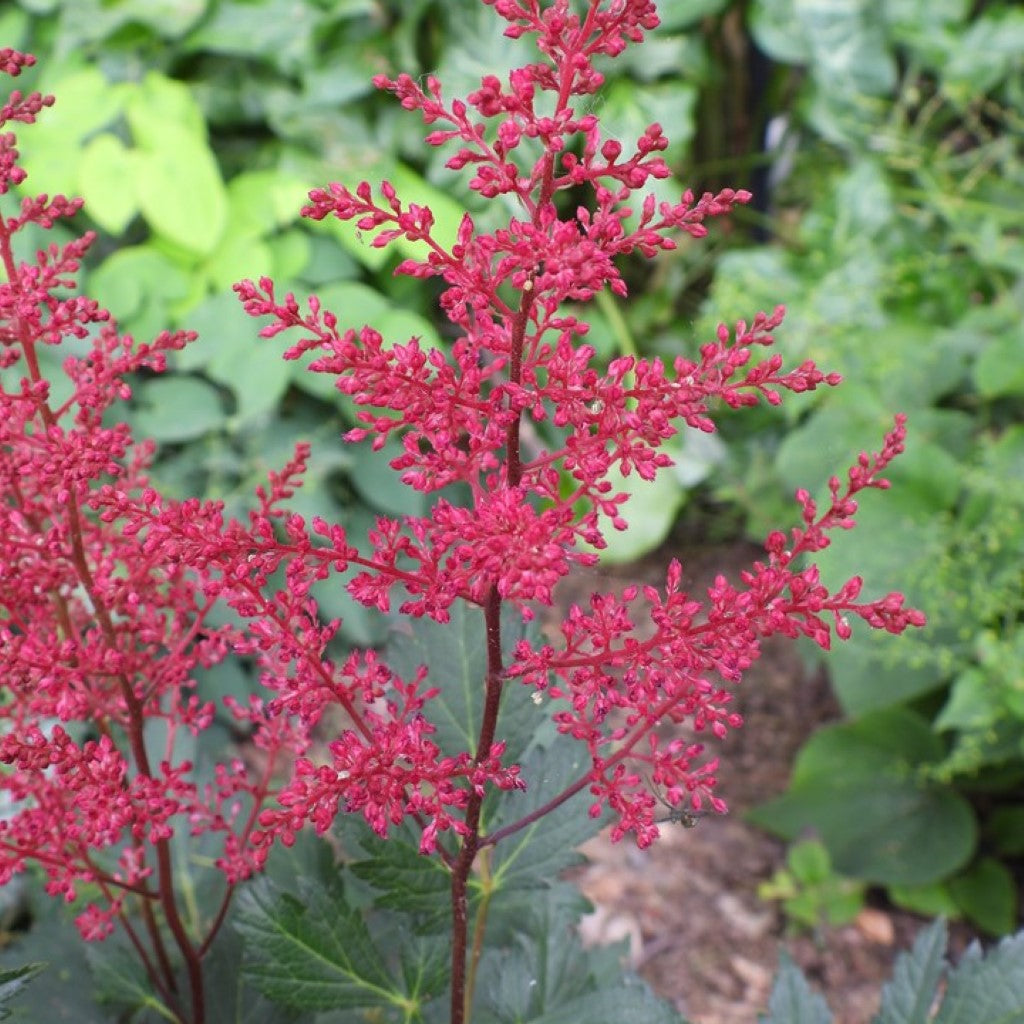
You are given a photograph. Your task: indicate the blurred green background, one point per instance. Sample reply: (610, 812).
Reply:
(884, 141)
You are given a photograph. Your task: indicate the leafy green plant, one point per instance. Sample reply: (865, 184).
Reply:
(897, 233)
(812, 894)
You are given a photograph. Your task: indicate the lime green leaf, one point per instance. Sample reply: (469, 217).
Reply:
(104, 180)
(86, 102)
(260, 202)
(158, 103)
(180, 190)
(135, 278)
(236, 257)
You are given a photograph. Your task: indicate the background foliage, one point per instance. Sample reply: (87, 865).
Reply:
(884, 140)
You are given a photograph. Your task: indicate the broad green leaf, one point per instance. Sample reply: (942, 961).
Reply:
(86, 102)
(159, 103)
(104, 180)
(180, 190)
(175, 409)
(862, 786)
(312, 953)
(908, 997)
(455, 654)
(927, 900)
(986, 893)
(12, 981)
(792, 1000)
(999, 370)
(260, 202)
(986, 990)
(237, 257)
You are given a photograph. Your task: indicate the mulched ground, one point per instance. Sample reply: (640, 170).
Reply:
(688, 906)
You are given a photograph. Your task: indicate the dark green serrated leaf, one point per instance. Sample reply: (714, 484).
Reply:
(406, 879)
(455, 654)
(230, 997)
(792, 1000)
(12, 981)
(533, 855)
(908, 997)
(120, 980)
(989, 989)
(312, 953)
(544, 974)
(631, 1003)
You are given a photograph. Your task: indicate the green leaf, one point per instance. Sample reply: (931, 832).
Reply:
(792, 1000)
(175, 409)
(989, 989)
(455, 654)
(278, 30)
(651, 512)
(120, 980)
(999, 370)
(12, 981)
(863, 787)
(138, 284)
(104, 180)
(158, 103)
(230, 998)
(539, 852)
(927, 900)
(987, 895)
(406, 880)
(180, 190)
(908, 997)
(66, 993)
(312, 953)
(86, 102)
(544, 975)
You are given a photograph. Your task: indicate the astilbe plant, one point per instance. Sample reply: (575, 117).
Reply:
(108, 587)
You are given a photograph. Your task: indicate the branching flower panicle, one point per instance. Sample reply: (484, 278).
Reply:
(109, 589)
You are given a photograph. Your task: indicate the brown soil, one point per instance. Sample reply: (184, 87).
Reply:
(688, 906)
